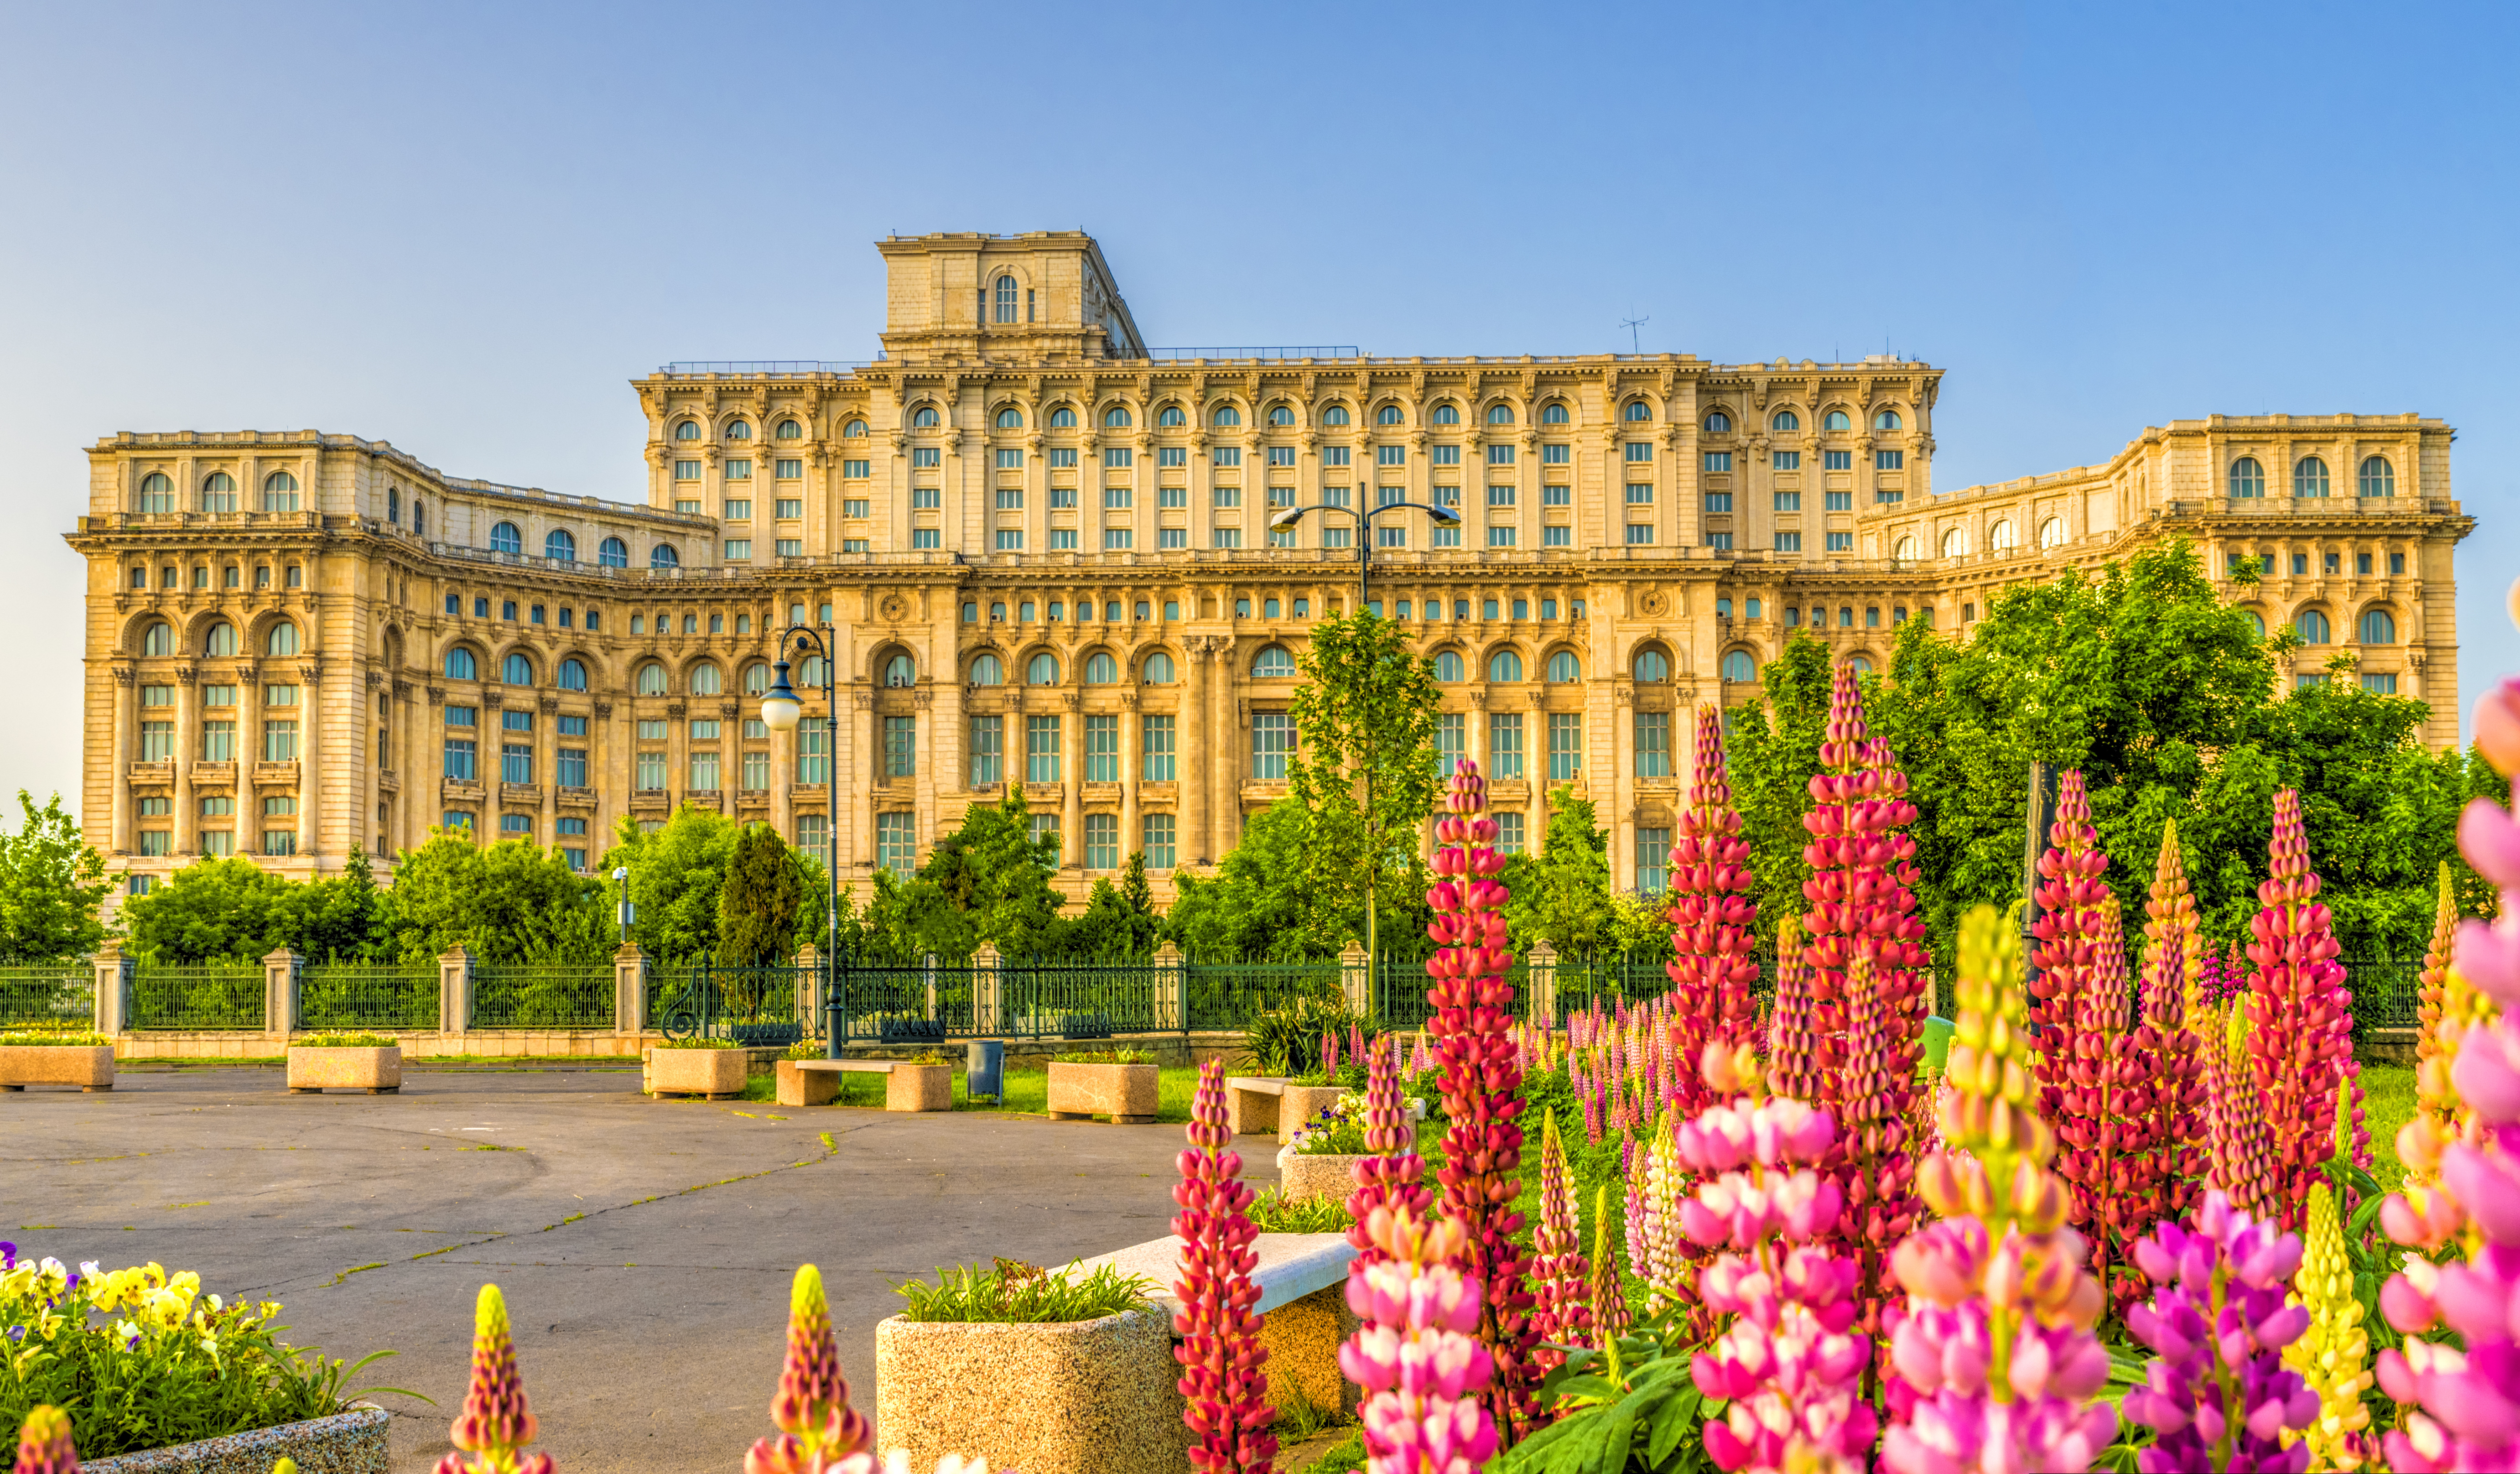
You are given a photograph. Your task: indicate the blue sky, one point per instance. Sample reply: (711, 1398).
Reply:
(461, 228)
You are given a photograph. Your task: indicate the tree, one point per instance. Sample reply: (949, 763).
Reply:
(996, 877)
(1365, 768)
(675, 875)
(1113, 927)
(512, 902)
(758, 905)
(1258, 904)
(52, 887)
(1562, 894)
(1770, 754)
(339, 919)
(216, 910)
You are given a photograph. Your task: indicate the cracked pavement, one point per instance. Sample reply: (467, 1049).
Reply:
(645, 1247)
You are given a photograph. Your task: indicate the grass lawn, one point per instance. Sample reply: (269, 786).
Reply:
(2388, 1103)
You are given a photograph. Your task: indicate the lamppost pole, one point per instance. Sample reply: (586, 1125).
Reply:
(1283, 521)
(781, 712)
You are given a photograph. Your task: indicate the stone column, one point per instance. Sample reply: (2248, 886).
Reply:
(493, 765)
(1171, 1004)
(809, 1003)
(1535, 763)
(123, 729)
(629, 990)
(1189, 731)
(1224, 719)
(1623, 786)
(988, 1005)
(1129, 763)
(545, 775)
(1356, 979)
(310, 748)
(454, 992)
(112, 1008)
(188, 750)
(1071, 772)
(279, 993)
(862, 775)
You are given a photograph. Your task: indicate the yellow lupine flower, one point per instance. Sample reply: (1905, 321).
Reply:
(2334, 1356)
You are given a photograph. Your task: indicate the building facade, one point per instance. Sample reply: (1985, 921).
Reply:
(1038, 552)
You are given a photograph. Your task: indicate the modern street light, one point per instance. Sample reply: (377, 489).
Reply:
(782, 711)
(1283, 521)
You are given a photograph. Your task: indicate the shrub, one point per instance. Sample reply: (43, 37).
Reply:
(1276, 1214)
(1101, 1057)
(344, 1042)
(1014, 1292)
(40, 1038)
(1333, 1131)
(695, 1042)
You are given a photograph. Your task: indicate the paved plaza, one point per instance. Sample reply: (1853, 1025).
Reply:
(645, 1247)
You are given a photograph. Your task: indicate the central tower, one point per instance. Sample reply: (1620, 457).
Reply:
(1046, 295)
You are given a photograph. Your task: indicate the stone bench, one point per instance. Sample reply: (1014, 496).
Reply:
(907, 1087)
(1257, 1103)
(1303, 1307)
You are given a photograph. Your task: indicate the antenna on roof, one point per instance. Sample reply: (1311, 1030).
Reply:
(1631, 323)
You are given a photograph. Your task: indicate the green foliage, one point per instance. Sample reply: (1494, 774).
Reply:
(1335, 1131)
(1562, 893)
(510, 903)
(676, 874)
(1272, 1213)
(760, 901)
(1289, 1041)
(343, 1041)
(61, 1040)
(1104, 1057)
(988, 881)
(1257, 905)
(1631, 1408)
(1770, 756)
(699, 1042)
(52, 886)
(1364, 776)
(214, 910)
(1119, 921)
(1014, 1292)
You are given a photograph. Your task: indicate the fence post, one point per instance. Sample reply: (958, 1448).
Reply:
(454, 989)
(1356, 982)
(988, 1015)
(809, 969)
(629, 990)
(1543, 980)
(1172, 1007)
(111, 1005)
(280, 994)
(927, 975)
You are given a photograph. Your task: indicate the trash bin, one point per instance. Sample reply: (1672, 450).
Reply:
(984, 1069)
(1938, 1043)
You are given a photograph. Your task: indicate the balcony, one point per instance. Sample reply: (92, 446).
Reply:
(1156, 793)
(520, 796)
(388, 781)
(1101, 792)
(651, 800)
(222, 774)
(1045, 792)
(459, 791)
(276, 775)
(1264, 790)
(152, 773)
(752, 797)
(706, 798)
(576, 797)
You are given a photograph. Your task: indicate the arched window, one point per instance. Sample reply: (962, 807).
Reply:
(1861, 663)
(517, 670)
(1101, 670)
(1281, 416)
(1739, 666)
(1159, 669)
(687, 430)
(1505, 666)
(280, 492)
(855, 430)
(707, 680)
(1006, 299)
(561, 547)
(1117, 417)
(2378, 627)
(1888, 419)
(505, 538)
(988, 670)
(1011, 419)
(756, 678)
(790, 430)
(1042, 669)
(1564, 668)
(1784, 422)
(459, 665)
(393, 504)
(1955, 543)
(1448, 665)
(2003, 537)
(1274, 663)
(926, 419)
(615, 553)
(1719, 423)
(810, 674)
(1554, 413)
(218, 493)
(1499, 414)
(1388, 414)
(2312, 626)
(900, 671)
(1905, 550)
(157, 639)
(282, 639)
(157, 493)
(2052, 532)
(2310, 476)
(741, 429)
(2376, 478)
(1836, 419)
(2248, 477)
(1172, 417)
(651, 679)
(1638, 412)
(1228, 415)
(1335, 415)
(1651, 666)
(219, 639)
(2257, 622)
(1447, 414)
(572, 674)
(662, 555)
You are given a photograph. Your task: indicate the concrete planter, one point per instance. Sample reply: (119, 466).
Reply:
(1324, 1175)
(346, 1443)
(1124, 1092)
(919, 1087)
(1089, 1397)
(376, 1071)
(716, 1073)
(1301, 1103)
(90, 1067)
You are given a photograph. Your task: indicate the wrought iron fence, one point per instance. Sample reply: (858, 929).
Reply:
(1230, 995)
(196, 998)
(48, 998)
(565, 997)
(907, 1002)
(1085, 999)
(2387, 991)
(751, 1005)
(360, 996)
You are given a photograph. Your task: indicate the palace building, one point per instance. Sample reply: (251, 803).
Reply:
(1039, 553)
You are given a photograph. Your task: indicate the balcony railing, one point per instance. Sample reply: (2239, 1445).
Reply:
(1334, 351)
(766, 366)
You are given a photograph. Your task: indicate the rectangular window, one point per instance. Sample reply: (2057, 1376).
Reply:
(2380, 682)
(987, 761)
(1156, 733)
(925, 457)
(1272, 741)
(739, 470)
(1790, 501)
(1158, 841)
(1718, 501)
(1638, 453)
(1654, 859)
(1115, 540)
(1719, 460)
(1640, 533)
(1500, 537)
(1445, 537)
(1722, 541)
(1391, 455)
(158, 741)
(738, 509)
(572, 769)
(790, 470)
(1391, 537)
(1556, 494)
(218, 741)
(1172, 455)
(279, 742)
(1062, 539)
(926, 537)
(1789, 543)
(1653, 744)
(1282, 455)
(1102, 749)
(1639, 494)
(1010, 540)
(1451, 738)
(896, 844)
(1565, 746)
(705, 772)
(1499, 455)
(1501, 497)
(1041, 749)
(1063, 496)
(1837, 501)
(1558, 537)
(1889, 496)
(280, 842)
(1043, 829)
(1841, 542)
(1446, 455)
(790, 508)
(1172, 496)
(1889, 460)
(1102, 841)
(814, 835)
(1336, 537)
(1509, 832)
(1009, 498)
(1229, 537)
(1837, 460)
(1172, 537)
(1335, 456)
(1115, 499)
(687, 471)
(156, 842)
(855, 470)
(1505, 745)
(1062, 457)
(1009, 459)
(788, 547)
(1557, 456)
(218, 843)
(1226, 456)
(1784, 460)
(738, 549)
(651, 772)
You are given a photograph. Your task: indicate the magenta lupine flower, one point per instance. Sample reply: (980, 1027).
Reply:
(1223, 1385)
(1390, 1174)
(1712, 970)
(2239, 1142)
(1562, 1310)
(44, 1444)
(1861, 887)
(495, 1424)
(1794, 1026)
(1483, 1145)
(2217, 1394)
(2299, 1039)
(1423, 1367)
(817, 1427)
(1785, 1361)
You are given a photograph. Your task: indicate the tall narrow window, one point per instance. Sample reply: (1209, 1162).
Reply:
(896, 846)
(1041, 749)
(1157, 841)
(900, 746)
(1653, 744)
(1156, 733)
(1565, 746)
(988, 751)
(2376, 479)
(1272, 741)
(1043, 829)
(813, 750)
(1505, 745)
(1654, 859)
(1102, 841)
(814, 835)
(1103, 752)
(1452, 740)
(2248, 478)
(1006, 300)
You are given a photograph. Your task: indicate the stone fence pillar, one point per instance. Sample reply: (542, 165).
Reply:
(1172, 998)
(1542, 981)
(988, 1010)
(111, 1008)
(1356, 979)
(629, 990)
(809, 989)
(454, 991)
(280, 994)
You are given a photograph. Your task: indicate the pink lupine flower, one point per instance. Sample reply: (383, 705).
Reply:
(44, 1444)
(2217, 1393)
(1712, 968)
(2299, 1013)
(1390, 1174)
(1417, 1356)
(495, 1426)
(817, 1426)
(1793, 1030)
(1223, 1386)
(1562, 1310)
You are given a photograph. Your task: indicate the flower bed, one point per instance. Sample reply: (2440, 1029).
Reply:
(1123, 1091)
(369, 1062)
(83, 1060)
(712, 1068)
(346, 1443)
